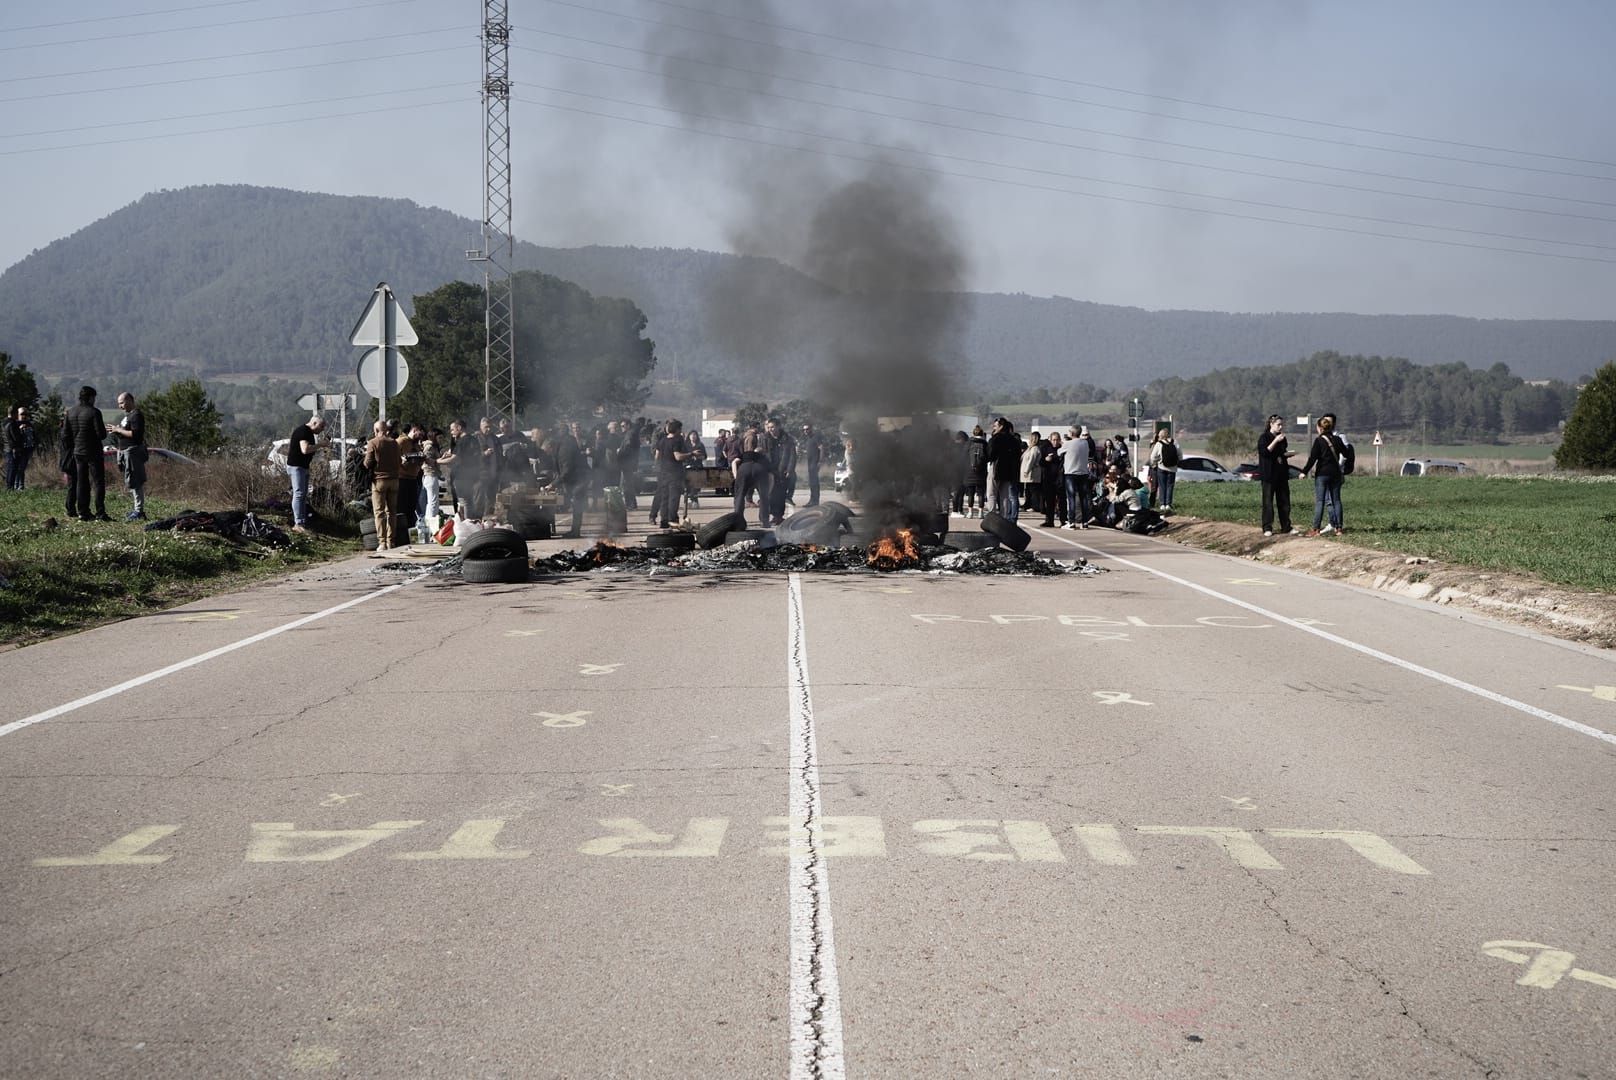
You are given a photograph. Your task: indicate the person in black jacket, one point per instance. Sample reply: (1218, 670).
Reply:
(572, 475)
(750, 467)
(1324, 462)
(1275, 473)
(1004, 469)
(87, 433)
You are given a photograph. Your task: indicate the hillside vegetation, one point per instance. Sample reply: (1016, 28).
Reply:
(245, 280)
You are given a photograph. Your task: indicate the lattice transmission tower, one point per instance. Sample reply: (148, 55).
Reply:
(498, 251)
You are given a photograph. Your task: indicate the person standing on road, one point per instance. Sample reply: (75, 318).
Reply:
(813, 456)
(428, 504)
(1032, 473)
(409, 480)
(20, 442)
(572, 475)
(129, 436)
(87, 435)
(1275, 473)
(1054, 480)
(300, 449)
(782, 453)
(751, 470)
(1324, 462)
(1004, 467)
(672, 451)
(1075, 474)
(384, 461)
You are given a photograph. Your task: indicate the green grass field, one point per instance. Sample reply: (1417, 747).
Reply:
(80, 574)
(1562, 530)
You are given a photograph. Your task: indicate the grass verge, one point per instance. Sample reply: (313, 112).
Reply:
(61, 576)
(1559, 529)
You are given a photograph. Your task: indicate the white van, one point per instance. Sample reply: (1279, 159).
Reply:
(1435, 467)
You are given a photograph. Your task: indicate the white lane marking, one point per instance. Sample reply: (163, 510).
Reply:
(211, 654)
(816, 998)
(1395, 661)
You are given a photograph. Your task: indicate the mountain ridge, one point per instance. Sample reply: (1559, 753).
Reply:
(243, 279)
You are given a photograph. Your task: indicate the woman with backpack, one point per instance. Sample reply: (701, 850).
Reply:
(1324, 462)
(1164, 467)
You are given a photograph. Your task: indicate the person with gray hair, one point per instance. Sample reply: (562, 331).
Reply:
(300, 449)
(129, 435)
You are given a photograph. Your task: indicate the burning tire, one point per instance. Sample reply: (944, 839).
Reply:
(972, 541)
(736, 536)
(1010, 534)
(810, 525)
(712, 534)
(492, 545)
(494, 571)
(671, 541)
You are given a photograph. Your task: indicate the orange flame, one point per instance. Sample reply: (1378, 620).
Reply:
(895, 551)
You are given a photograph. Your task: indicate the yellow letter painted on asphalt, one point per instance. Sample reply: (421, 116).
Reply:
(1374, 848)
(124, 851)
(633, 840)
(473, 840)
(1104, 845)
(1238, 844)
(838, 835)
(280, 841)
(1029, 841)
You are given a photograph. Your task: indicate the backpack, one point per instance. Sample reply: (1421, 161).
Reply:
(1170, 455)
(979, 456)
(1345, 454)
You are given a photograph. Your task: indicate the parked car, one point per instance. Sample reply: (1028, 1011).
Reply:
(1249, 471)
(275, 460)
(1198, 467)
(1434, 467)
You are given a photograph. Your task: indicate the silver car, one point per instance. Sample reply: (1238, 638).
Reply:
(1197, 467)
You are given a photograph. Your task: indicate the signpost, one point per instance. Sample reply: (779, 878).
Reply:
(1378, 442)
(382, 370)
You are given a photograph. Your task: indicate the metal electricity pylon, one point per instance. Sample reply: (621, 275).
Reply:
(498, 249)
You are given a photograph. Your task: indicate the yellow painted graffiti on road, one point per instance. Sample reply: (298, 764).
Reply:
(987, 840)
(1545, 965)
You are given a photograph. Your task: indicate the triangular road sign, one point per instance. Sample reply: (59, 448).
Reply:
(371, 329)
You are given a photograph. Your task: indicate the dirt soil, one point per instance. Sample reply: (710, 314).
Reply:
(1573, 614)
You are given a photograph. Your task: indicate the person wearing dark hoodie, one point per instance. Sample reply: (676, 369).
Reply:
(1324, 462)
(85, 435)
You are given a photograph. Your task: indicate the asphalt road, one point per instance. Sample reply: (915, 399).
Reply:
(1191, 817)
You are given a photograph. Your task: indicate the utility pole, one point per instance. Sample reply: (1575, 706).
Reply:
(498, 250)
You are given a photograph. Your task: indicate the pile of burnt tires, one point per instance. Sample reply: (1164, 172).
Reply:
(495, 556)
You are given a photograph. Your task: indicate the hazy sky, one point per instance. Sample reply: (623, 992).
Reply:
(1265, 155)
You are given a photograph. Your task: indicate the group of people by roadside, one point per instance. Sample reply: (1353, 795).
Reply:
(82, 443)
(1074, 480)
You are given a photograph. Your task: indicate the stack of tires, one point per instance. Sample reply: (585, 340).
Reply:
(494, 557)
(367, 533)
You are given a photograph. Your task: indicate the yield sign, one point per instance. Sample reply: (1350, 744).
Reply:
(383, 314)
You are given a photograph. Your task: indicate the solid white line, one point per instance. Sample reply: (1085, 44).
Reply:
(816, 997)
(142, 680)
(1367, 650)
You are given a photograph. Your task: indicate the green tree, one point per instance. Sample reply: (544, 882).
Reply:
(800, 411)
(1229, 443)
(48, 423)
(1589, 441)
(17, 385)
(577, 353)
(750, 411)
(447, 369)
(183, 418)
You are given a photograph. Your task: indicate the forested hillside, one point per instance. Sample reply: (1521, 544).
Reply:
(248, 280)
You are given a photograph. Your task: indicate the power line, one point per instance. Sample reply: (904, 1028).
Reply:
(1059, 190)
(346, 62)
(210, 26)
(1047, 123)
(1078, 176)
(1135, 93)
(131, 15)
(234, 127)
(1071, 100)
(233, 56)
(232, 112)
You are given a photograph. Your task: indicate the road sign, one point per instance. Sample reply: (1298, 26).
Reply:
(1378, 440)
(383, 313)
(383, 379)
(309, 402)
(326, 402)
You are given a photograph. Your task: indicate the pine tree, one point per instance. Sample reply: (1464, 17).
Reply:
(1589, 441)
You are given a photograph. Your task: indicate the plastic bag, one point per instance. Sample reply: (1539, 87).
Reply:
(446, 533)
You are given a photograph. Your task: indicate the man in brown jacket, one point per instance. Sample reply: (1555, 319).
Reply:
(384, 461)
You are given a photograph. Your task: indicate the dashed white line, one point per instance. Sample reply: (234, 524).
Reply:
(815, 996)
(153, 676)
(1367, 650)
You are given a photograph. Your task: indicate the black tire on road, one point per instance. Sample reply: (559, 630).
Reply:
(971, 541)
(1010, 534)
(671, 541)
(367, 526)
(495, 544)
(712, 534)
(367, 541)
(494, 571)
